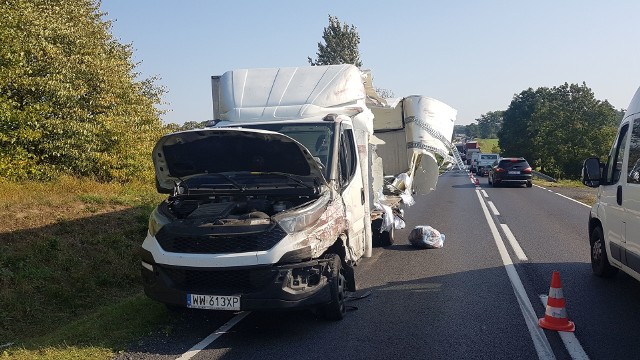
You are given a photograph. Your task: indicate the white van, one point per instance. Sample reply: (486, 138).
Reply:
(484, 163)
(614, 221)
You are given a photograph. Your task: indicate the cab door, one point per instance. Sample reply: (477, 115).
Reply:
(352, 190)
(611, 211)
(631, 200)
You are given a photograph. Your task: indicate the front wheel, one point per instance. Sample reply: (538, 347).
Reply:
(599, 261)
(336, 309)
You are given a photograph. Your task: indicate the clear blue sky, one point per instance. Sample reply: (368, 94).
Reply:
(472, 55)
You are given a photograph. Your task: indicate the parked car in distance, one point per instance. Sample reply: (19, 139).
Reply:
(510, 171)
(614, 221)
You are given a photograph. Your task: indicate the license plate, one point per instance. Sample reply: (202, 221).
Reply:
(514, 172)
(213, 302)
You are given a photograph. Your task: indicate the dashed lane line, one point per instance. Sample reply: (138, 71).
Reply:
(515, 245)
(566, 197)
(540, 341)
(493, 208)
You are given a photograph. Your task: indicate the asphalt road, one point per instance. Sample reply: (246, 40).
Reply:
(467, 300)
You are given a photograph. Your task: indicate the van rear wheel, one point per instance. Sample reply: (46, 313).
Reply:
(599, 261)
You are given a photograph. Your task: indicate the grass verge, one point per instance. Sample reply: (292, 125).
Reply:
(98, 335)
(69, 266)
(489, 146)
(571, 188)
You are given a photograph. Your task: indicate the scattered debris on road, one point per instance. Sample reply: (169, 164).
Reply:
(426, 237)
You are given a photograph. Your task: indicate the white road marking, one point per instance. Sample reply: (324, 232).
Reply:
(484, 193)
(569, 339)
(493, 208)
(540, 341)
(574, 200)
(214, 335)
(514, 243)
(566, 197)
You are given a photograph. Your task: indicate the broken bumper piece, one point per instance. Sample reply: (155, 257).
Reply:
(259, 287)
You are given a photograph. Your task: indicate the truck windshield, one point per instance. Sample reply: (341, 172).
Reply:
(318, 138)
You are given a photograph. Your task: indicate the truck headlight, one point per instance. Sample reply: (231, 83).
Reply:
(157, 221)
(300, 219)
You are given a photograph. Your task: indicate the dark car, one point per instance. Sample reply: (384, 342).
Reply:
(483, 170)
(510, 171)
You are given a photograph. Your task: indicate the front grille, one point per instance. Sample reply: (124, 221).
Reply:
(207, 243)
(211, 281)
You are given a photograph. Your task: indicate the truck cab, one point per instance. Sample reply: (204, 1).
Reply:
(614, 219)
(272, 205)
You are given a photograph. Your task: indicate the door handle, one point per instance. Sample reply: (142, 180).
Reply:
(619, 195)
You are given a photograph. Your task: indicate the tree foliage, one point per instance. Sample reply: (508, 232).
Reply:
(489, 124)
(70, 100)
(515, 136)
(557, 128)
(340, 45)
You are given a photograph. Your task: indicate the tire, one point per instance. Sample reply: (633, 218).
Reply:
(336, 309)
(599, 261)
(529, 184)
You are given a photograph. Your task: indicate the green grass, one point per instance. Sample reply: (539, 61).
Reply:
(489, 146)
(98, 335)
(561, 183)
(68, 251)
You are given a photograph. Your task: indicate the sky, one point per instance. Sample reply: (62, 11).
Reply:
(472, 55)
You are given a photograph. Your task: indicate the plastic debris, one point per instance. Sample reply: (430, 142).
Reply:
(426, 237)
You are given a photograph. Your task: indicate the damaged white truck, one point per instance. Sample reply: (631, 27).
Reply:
(273, 206)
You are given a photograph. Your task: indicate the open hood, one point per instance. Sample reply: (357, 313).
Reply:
(180, 155)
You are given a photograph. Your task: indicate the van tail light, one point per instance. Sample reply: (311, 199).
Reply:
(500, 170)
(527, 170)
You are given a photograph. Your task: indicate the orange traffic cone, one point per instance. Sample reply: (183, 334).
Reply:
(555, 316)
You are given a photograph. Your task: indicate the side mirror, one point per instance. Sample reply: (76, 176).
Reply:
(591, 172)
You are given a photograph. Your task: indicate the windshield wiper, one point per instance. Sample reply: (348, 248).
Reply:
(228, 178)
(288, 176)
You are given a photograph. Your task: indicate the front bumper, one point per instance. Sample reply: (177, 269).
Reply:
(260, 287)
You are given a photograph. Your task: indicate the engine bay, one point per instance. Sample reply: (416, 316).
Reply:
(222, 210)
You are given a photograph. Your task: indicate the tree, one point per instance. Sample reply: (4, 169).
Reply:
(472, 131)
(515, 136)
(340, 45)
(70, 100)
(571, 125)
(489, 124)
(557, 128)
